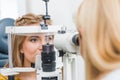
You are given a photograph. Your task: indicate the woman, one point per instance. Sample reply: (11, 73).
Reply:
(25, 48)
(98, 23)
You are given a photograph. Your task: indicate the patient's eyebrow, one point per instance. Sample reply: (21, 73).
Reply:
(35, 36)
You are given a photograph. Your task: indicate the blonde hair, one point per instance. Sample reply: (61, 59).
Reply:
(100, 21)
(17, 41)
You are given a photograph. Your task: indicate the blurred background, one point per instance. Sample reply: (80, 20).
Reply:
(61, 11)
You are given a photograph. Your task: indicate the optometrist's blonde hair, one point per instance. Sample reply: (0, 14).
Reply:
(100, 21)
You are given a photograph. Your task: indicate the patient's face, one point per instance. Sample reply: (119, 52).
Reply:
(31, 46)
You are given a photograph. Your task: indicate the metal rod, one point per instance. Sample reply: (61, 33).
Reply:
(46, 8)
(10, 51)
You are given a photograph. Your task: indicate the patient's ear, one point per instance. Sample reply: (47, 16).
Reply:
(21, 51)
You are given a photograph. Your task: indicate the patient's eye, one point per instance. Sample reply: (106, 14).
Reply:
(34, 39)
(51, 37)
